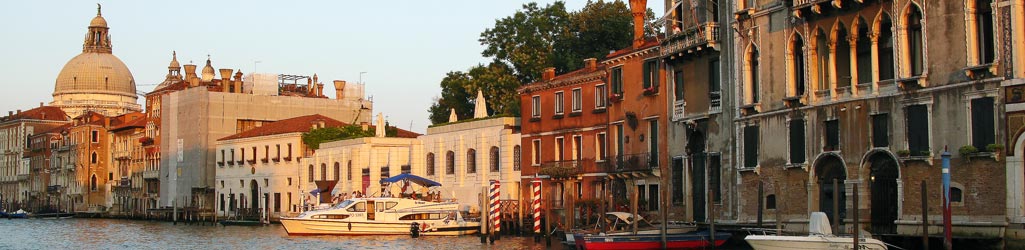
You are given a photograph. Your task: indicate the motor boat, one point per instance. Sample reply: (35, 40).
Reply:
(691, 240)
(385, 216)
(621, 223)
(820, 237)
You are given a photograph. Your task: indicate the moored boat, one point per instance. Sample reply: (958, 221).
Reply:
(820, 237)
(692, 240)
(384, 216)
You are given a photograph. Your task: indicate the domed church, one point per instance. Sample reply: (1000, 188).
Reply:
(96, 80)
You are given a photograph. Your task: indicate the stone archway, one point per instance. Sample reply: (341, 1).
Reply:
(828, 169)
(883, 176)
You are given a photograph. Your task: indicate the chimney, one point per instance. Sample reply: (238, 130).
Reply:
(225, 79)
(40, 104)
(320, 89)
(190, 72)
(339, 89)
(638, 8)
(19, 111)
(10, 113)
(590, 64)
(548, 74)
(238, 81)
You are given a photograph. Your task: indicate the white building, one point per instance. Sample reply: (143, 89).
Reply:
(259, 169)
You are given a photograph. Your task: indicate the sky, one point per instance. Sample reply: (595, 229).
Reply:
(405, 47)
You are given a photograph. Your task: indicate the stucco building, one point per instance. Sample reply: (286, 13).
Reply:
(15, 169)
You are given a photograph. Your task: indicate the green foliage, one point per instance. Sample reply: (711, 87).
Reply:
(527, 39)
(994, 147)
(315, 137)
(558, 171)
(453, 96)
(903, 152)
(967, 150)
(498, 84)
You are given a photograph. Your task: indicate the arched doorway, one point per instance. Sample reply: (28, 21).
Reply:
(696, 150)
(883, 178)
(254, 194)
(829, 169)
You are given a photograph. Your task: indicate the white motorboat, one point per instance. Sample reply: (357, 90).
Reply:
(621, 223)
(384, 216)
(820, 237)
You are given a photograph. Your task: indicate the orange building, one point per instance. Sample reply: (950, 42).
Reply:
(564, 132)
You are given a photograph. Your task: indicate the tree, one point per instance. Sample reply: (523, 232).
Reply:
(454, 95)
(527, 39)
(597, 28)
(498, 84)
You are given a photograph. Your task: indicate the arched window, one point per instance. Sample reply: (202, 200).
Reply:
(770, 201)
(338, 172)
(92, 183)
(864, 53)
(471, 161)
(93, 158)
(450, 162)
(323, 171)
(311, 173)
(516, 158)
(798, 66)
(430, 163)
(752, 75)
(915, 51)
(822, 60)
(495, 160)
(348, 170)
(885, 47)
(842, 57)
(956, 195)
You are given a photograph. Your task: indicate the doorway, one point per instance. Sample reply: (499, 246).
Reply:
(883, 180)
(830, 169)
(696, 149)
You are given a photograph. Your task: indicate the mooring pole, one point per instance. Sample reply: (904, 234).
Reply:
(482, 202)
(855, 233)
(947, 237)
(761, 202)
(925, 217)
(836, 207)
(711, 217)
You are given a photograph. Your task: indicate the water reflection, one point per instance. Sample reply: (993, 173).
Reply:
(69, 234)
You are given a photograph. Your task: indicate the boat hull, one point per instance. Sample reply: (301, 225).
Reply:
(771, 242)
(334, 227)
(648, 241)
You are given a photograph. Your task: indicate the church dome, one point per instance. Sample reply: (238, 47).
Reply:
(95, 73)
(208, 72)
(98, 21)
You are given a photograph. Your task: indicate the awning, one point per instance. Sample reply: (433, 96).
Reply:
(411, 178)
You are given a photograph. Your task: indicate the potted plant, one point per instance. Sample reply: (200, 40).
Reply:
(616, 97)
(650, 90)
(966, 151)
(997, 149)
(903, 153)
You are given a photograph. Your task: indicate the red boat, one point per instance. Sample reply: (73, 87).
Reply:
(649, 241)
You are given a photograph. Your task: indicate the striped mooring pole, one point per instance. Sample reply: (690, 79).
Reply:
(537, 209)
(495, 215)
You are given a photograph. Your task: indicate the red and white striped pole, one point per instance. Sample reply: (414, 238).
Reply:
(495, 216)
(537, 206)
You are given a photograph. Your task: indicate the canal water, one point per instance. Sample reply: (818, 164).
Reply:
(67, 234)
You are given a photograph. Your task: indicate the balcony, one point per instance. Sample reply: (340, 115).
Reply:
(692, 40)
(678, 106)
(635, 165)
(560, 169)
(151, 174)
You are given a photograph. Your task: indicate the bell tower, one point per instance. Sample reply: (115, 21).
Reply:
(97, 40)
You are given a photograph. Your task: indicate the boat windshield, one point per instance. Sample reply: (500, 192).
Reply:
(344, 204)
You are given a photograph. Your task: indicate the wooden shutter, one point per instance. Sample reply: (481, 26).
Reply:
(750, 146)
(982, 122)
(797, 141)
(881, 130)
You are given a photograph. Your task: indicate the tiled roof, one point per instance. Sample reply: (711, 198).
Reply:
(57, 129)
(403, 133)
(648, 43)
(49, 113)
(290, 125)
(139, 122)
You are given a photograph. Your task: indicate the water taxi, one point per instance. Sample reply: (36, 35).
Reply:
(385, 216)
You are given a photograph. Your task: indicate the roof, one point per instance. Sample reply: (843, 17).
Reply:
(569, 78)
(57, 129)
(49, 113)
(290, 125)
(401, 133)
(138, 122)
(648, 43)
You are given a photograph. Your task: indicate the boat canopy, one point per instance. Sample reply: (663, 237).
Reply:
(411, 178)
(625, 217)
(819, 224)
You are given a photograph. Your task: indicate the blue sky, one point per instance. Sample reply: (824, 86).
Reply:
(406, 47)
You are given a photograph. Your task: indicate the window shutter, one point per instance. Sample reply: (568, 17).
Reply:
(880, 130)
(647, 74)
(982, 122)
(797, 141)
(750, 146)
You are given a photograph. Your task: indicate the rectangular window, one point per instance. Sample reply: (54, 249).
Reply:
(617, 80)
(535, 108)
(880, 130)
(832, 135)
(714, 176)
(797, 141)
(277, 202)
(95, 136)
(600, 96)
(601, 142)
(580, 190)
(559, 104)
(535, 147)
(576, 101)
(619, 143)
(918, 129)
(578, 142)
(653, 143)
(751, 146)
(713, 76)
(560, 147)
(678, 85)
(983, 131)
(650, 70)
(984, 31)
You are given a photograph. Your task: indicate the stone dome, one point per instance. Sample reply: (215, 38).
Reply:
(95, 73)
(98, 21)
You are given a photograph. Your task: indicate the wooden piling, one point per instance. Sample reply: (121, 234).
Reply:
(855, 213)
(925, 217)
(633, 206)
(711, 217)
(836, 207)
(761, 202)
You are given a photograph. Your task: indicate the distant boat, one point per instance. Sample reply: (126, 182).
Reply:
(20, 214)
(692, 240)
(820, 237)
(54, 215)
(622, 222)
